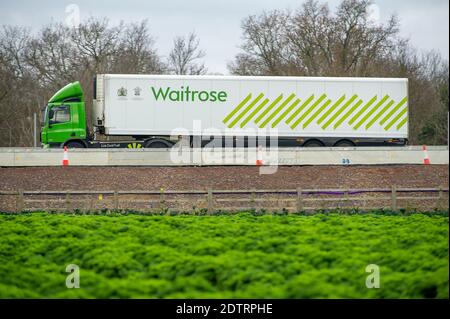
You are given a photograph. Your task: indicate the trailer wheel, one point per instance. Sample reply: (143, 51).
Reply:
(313, 143)
(75, 145)
(344, 143)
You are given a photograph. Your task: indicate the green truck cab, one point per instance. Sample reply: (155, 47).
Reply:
(64, 118)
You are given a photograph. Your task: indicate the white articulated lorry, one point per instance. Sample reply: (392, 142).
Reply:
(146, 110)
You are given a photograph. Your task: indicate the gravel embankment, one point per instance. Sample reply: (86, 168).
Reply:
(219, 177)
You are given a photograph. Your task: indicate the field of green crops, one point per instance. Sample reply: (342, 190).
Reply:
(224, 256)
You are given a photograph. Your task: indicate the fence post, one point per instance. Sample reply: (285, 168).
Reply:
(91, 204)
(68, 208)
(394, 198)
(346, 199)
(116, 200)
(253, 200)
(210, 200)
(440, 203)
(161, 199)
(19, 201)
(299, 200)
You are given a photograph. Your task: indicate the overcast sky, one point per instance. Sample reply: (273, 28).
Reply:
(217, 23)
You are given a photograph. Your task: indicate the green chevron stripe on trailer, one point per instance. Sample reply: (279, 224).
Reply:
(399, 115)
(300, 109)
(331, 109)
(254, 112)
(376, 107)
(350, 112)
(277, 110)
(269, 108)
(289, 109)
(312, 117)
(376, 117)
(362, 110)
(320, 99)
(229, 116)
(403, 122)
(395, 109)
(270, 117)
(246, 110)
(350, 101)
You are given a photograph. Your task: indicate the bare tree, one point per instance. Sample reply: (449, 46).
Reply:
(434, 129)
(13, 46)
(264, 45)
(96, 43)
(359, 40)
(136, 52)
(184, 55)
(18, 88)
(313, 41)
(52, 56)
(245, 64)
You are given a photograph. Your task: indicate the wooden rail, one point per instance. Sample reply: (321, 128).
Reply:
(209, 200)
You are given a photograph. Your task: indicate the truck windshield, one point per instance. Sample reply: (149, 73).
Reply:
(43, 115)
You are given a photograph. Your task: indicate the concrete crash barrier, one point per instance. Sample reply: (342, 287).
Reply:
(17, 157)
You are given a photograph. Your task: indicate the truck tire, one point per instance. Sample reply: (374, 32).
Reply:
(75, 145)
(157, 143)
(344, 143)
(313, 143)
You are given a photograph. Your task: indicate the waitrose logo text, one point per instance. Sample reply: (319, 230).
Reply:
(185, 94)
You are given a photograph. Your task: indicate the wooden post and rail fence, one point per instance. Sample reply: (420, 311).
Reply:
(210, 201)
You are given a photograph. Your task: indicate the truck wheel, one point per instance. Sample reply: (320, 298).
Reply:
(75, 145)
(157, 144)
(313, 144)
(344, 144)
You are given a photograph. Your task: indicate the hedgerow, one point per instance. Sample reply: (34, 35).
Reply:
(224, 256)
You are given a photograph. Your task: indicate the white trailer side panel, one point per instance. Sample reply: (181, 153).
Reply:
(295, 106)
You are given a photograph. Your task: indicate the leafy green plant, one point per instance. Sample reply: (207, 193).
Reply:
(246, 255)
